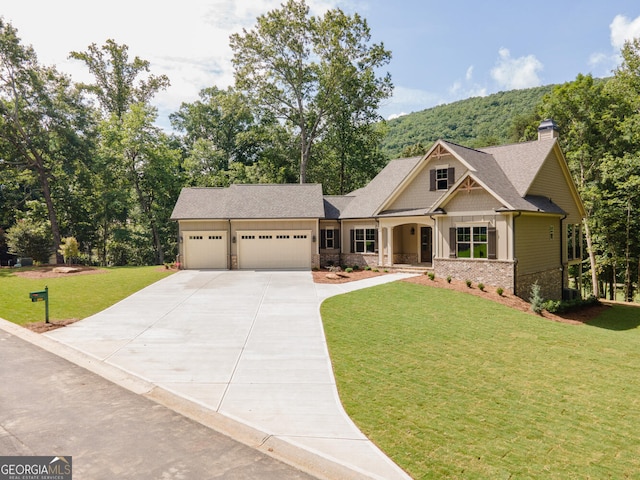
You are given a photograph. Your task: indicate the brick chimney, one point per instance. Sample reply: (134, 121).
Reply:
(547, 129)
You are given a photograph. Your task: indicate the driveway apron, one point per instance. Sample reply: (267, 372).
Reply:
(247, 344)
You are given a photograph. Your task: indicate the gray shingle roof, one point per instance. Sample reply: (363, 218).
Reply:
(506, 170)
(369, 199)
(260, 201)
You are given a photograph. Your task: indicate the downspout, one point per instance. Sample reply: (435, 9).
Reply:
(229, 263)
(561, 256)
(515, 259)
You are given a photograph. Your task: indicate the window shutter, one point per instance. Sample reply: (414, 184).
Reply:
(323, 238)
(432, 179)
(491, 240)
(453, 235)
(353, 241)
(336, 238)
(451, 174)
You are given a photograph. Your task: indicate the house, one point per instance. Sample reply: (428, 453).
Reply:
(505, 216)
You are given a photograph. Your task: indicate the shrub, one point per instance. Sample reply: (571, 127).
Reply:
(367, 268)
(432, 275)
(499, 291)
(468, 282)
(28, 238)
(449, 279)
(69, 249)
(537, 302)
(376, 270)
(481, 286)
(348, 270)
(564, 306)
(386, 270)
(356, 267)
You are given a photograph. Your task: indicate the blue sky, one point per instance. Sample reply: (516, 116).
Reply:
(443, 51)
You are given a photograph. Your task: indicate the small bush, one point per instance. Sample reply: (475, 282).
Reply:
(537, 302)
(557, 306)
(386, 270)
(481, 286)
(499, 291)
(432, 276)
(348, 270)
(376, 270)
(449, 279)
(468, 282)
(367, 268)
(356, 267)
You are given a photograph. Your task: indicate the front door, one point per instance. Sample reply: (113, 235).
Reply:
(426, 253)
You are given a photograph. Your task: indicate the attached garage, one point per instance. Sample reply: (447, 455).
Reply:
(205, 249)
(274, 249)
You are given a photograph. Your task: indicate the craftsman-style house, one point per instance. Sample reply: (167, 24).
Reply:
(505, 216)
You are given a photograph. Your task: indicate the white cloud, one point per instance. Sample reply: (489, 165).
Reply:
(188, 41)
(515, 73)
(469, 74)
(623, 29)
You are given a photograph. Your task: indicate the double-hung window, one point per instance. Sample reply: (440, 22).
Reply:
(471, 242)
(364, 240)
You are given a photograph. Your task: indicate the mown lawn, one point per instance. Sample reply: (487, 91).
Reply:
(72, 297)
(454, 386)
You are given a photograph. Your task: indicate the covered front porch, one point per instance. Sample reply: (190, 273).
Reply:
(406, 242)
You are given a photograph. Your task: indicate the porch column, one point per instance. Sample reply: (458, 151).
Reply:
(390, 246)
(380, 245)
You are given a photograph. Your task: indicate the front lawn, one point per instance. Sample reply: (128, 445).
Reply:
(72, 296)
(454, 386)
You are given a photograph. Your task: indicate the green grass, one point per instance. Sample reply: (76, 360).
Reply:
(73, 297)
(454, 386)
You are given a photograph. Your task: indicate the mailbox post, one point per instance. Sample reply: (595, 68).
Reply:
(42, 296)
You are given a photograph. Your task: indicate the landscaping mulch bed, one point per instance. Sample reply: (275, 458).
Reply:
(55, 271)
(577, 318)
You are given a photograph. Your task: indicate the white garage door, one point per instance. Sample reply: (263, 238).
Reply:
(205, 249)
(274, 249)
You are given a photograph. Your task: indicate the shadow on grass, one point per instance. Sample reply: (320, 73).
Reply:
(618, 317)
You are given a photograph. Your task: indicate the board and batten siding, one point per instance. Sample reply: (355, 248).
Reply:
(472, 201)
(502, 224)
(551, 182)
(417, 194)
(536, 250)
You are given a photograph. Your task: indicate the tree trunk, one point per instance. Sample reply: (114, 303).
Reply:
(53, 218)
(592, 259)
(628, 285)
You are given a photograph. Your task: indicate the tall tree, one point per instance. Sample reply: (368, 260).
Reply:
(151, 166)
(42, 120)
(295, 66)
(118, 83)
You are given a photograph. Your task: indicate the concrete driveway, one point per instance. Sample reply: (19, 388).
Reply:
(248, 345)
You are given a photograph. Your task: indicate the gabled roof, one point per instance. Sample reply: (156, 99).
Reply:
(368, 200)
(255, 201)
(520, 163)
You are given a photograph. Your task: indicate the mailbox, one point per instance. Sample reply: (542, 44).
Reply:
(39, 296)
(42, 296)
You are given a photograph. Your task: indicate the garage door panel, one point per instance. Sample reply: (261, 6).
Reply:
(274, 249)
(205, 249)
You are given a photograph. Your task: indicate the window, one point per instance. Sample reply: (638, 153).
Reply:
(441, 178)
(364, 240)
(471, 242)
(329, 238)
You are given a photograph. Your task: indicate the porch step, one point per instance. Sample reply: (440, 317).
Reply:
(417, 269)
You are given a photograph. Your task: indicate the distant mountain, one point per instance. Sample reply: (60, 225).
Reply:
(485, 120)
